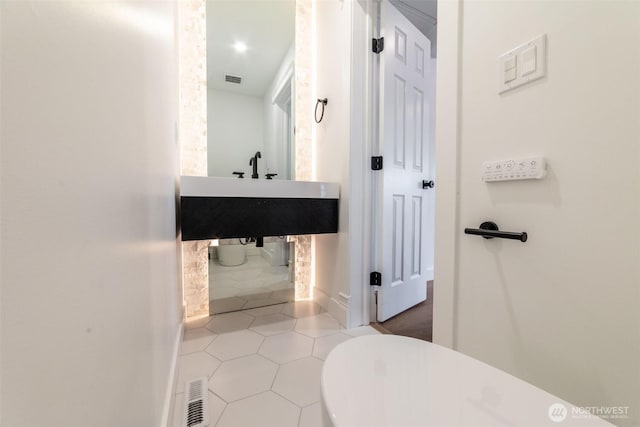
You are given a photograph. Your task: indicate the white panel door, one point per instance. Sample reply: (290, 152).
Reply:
(404, 122)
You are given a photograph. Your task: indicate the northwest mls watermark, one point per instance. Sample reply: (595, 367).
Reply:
(559, 412)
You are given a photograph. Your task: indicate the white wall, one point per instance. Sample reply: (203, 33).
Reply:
(562, 310)
(333, 80)
(235, 130)
(342, 153)
(91, 306)
(274, 147)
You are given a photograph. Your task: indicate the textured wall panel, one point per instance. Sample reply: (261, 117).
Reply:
(193, 140)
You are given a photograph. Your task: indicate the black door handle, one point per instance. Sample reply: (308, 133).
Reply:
(427, 184)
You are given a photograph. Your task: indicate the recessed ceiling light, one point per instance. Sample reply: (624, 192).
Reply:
(240, 47)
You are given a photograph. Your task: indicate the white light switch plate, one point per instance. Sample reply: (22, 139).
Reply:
(530, 60)
(514, 169)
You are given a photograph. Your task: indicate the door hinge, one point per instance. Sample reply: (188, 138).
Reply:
(376, 163)
(377, 45)
(375, 279)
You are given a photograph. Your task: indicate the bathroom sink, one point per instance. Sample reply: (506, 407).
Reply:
(218, 208)
(206, 186)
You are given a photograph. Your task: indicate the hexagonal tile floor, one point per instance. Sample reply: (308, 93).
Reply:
(283, 348)
(235, 344)
(243, 377)
(263, 364)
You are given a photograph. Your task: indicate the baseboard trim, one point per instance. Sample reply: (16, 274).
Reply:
(171, 384)
(321, 298)
(339, 310)
(335, 307)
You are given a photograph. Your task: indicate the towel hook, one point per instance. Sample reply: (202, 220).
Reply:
(322, 101)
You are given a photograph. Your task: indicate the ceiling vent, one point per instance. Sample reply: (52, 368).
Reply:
(196, 411)
(232, 79)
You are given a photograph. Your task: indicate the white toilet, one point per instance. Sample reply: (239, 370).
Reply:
(231, 255)
(394, 381)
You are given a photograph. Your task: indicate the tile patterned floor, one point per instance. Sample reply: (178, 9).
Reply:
(263, 364)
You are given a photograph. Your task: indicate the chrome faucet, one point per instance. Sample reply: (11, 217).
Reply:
(254, 162)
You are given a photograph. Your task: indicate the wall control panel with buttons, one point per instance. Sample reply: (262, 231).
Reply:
(522, 64)
(514, 169)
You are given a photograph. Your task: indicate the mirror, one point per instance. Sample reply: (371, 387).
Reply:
(250, 81)
(250, 63)
(243, 276)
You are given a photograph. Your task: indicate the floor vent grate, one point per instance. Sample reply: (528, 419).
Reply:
(196, 411)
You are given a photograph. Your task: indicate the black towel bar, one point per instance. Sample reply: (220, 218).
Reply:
(490, 229)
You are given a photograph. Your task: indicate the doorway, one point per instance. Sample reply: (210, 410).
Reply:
(403, 193)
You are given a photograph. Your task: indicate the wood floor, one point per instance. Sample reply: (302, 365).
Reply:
(416, 322)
